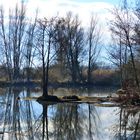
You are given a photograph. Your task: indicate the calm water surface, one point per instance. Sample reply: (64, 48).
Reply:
(26, 119)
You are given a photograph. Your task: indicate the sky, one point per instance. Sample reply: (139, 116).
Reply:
(48, 8)
(83, 8)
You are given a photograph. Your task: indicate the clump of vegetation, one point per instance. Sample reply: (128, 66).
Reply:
(49, 98)
(72, 97)
(128, 96)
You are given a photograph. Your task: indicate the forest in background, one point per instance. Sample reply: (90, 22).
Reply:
(60, 50)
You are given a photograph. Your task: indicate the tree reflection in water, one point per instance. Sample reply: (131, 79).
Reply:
(12, 115)
(94, 121)
(19, 117)
(67, 122)
(28, 120)
(75, 122)
(129, 124)
(60, 121)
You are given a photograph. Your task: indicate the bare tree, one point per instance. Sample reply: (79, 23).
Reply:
(118, 56)
(59, 38)
(12, 38)
(94, 44)
(122, 28)
(17, 31)
(70, 41)
(75, 34)
(30, 49)
(6, 49)
(45, 36)
(136, 36)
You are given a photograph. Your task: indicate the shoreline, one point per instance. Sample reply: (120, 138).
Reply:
(34, 84)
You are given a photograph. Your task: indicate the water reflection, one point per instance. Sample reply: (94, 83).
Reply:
(22, 119)
(18, 114)
(129, 128)
(68, 121)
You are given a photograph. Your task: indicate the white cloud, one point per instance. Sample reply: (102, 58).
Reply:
(49, 8)
(52, 7)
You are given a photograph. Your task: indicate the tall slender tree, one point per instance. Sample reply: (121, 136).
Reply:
(94, 45)
(122, 27)
(29, 48)
(12, 37)
(45, 39)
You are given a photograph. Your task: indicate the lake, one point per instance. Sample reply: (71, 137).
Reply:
(23, 118)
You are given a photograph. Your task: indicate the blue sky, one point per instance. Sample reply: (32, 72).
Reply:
(83, 8)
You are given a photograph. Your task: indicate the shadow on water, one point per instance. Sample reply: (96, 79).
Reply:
(28, 120)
